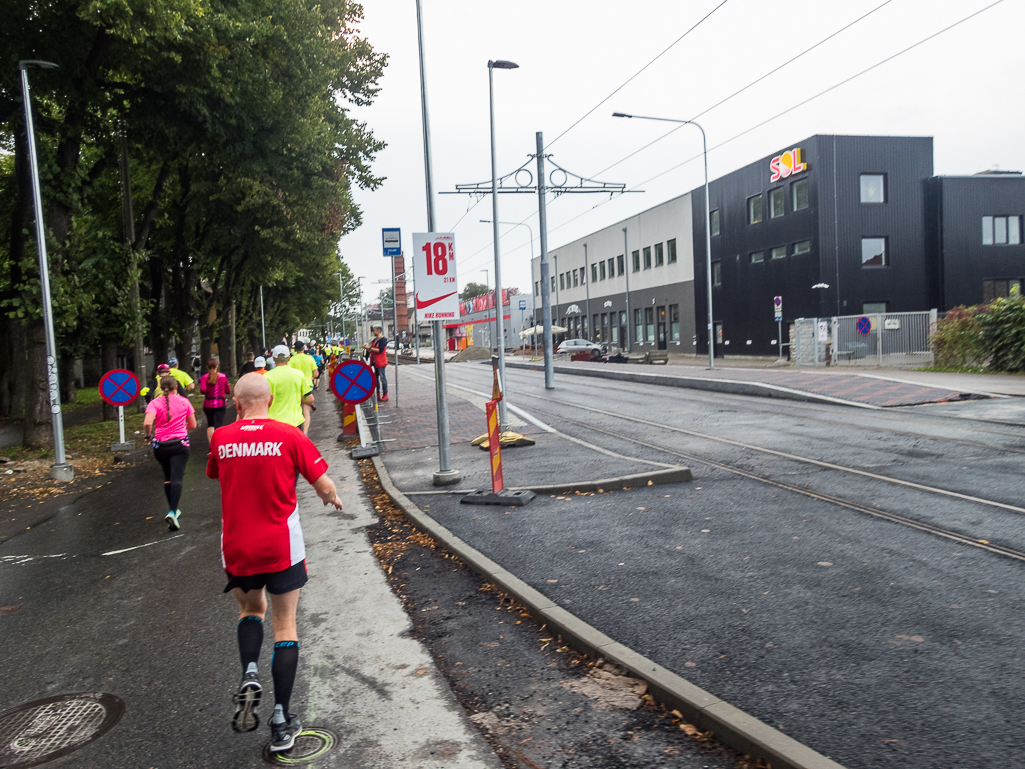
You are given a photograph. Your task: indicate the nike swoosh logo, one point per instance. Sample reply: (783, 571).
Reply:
(421, 304)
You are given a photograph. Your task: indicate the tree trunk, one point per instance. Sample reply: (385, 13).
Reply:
(226, 343)
(13, 384)
(38, 420)
(108, 358)
(69, 388)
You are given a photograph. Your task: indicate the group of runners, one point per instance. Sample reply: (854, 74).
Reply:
(257, 460)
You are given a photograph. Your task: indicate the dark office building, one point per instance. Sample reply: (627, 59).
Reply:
(835, 225)
(979, 235)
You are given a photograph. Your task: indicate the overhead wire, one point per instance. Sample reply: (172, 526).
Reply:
(638, 72)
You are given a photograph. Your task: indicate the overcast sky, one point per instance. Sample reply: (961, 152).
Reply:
(962, 88)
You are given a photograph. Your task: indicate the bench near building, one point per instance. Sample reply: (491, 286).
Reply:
(835, 225)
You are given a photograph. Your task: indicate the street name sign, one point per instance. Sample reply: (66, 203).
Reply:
(434, 264)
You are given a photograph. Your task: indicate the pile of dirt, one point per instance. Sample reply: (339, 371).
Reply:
(472, 353)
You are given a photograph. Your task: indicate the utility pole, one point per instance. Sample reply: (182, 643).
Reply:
(546, 293)
(627, 266)
(444, 475)
(128, 219)
(587, 304)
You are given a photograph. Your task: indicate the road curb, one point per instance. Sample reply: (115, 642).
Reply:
(731, 726)
(652, 478)
(729, 386)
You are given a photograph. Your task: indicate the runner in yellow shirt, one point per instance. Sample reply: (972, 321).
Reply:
(305, 363)
(289, 386)
(184, 380)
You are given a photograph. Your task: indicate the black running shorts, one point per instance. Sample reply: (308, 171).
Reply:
(214, 416)
(278, 582)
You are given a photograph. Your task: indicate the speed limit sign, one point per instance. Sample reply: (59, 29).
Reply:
(434, 263)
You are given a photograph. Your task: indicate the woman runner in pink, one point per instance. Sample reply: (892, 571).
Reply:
(169, 418)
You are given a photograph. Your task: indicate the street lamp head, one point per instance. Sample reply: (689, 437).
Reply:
(620, 114)
(36, 64)
(502, 64)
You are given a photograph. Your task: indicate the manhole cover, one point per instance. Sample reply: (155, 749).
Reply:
(310, 745)
(40, 731)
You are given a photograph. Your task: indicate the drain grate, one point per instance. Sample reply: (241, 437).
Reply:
(310, 745)
(40, 731)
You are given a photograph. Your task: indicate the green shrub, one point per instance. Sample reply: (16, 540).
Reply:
(958, 339)
(1003, 325)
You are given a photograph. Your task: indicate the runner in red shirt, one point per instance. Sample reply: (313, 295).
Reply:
(258, 461)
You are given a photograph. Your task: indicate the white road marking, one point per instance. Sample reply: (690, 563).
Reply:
(136, 547)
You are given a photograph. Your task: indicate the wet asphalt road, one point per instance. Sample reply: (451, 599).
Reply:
(872, 642)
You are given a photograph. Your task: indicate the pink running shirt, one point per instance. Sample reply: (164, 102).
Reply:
(166, 427)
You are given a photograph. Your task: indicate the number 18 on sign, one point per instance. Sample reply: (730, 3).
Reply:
(434, 262)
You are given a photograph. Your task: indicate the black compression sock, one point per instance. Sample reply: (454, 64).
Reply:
(283, 667)
(250, 638)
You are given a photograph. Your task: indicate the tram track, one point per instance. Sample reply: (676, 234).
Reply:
(949, 534)
(939, 531)
(800, 411)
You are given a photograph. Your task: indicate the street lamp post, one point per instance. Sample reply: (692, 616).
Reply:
(341, 301)
(263, 324)
(487, 290)
(627, 265)
(588, 331)
(61, 470)
(503, 422)
(708, 225)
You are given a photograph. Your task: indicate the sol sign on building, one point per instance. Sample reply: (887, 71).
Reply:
(434, 262)
(786, 164)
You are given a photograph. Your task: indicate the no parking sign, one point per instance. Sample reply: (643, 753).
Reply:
(119, 387)
(353, 381)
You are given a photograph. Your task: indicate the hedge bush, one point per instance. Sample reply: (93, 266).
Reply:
(990, 336)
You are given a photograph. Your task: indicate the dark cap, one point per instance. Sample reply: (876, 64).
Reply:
(299, 346)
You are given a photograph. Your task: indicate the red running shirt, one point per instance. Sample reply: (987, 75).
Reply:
(257, 461)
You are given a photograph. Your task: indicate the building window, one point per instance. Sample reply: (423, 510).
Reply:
(537, 288)
(674, 322)
(562, 282)
(671, 251)
(553, 282)
(757, 257)
(799, 193)
(601, 270)
(612, 268)
(755, 213)
(802, 247)
(636, 260)
(873, 188)
(1001, 230)
(999, 289)
(779, 252)
(776, 203)
(649, 323)
(638, 328)
(594, 273)
(717, 273)
(576, 278)
(619, 264)
(583, 276)
(873, 252)
(660, 257)
(874, 308)
(714, 217)
(647, 257)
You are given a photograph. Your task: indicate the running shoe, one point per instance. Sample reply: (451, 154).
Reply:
(172, 520)
(247, 698)
(282, 736)
(383, 398)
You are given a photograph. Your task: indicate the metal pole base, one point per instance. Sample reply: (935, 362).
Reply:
(446, 477)
(62, 472)
(503, 497)
(126, 446)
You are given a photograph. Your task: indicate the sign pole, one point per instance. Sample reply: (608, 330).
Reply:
(121, 424)
(445, 475)
(395, 314)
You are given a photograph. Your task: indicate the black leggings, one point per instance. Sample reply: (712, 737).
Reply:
(172, 457)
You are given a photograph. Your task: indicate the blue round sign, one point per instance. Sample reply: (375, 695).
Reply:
(864, 325)
(353, 381)
(119, 387)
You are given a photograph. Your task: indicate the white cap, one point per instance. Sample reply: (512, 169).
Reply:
(281, 351)
(260, 362)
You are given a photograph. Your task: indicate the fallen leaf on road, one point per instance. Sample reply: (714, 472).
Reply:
(824, 563)
(690, 730)
(690, 664)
